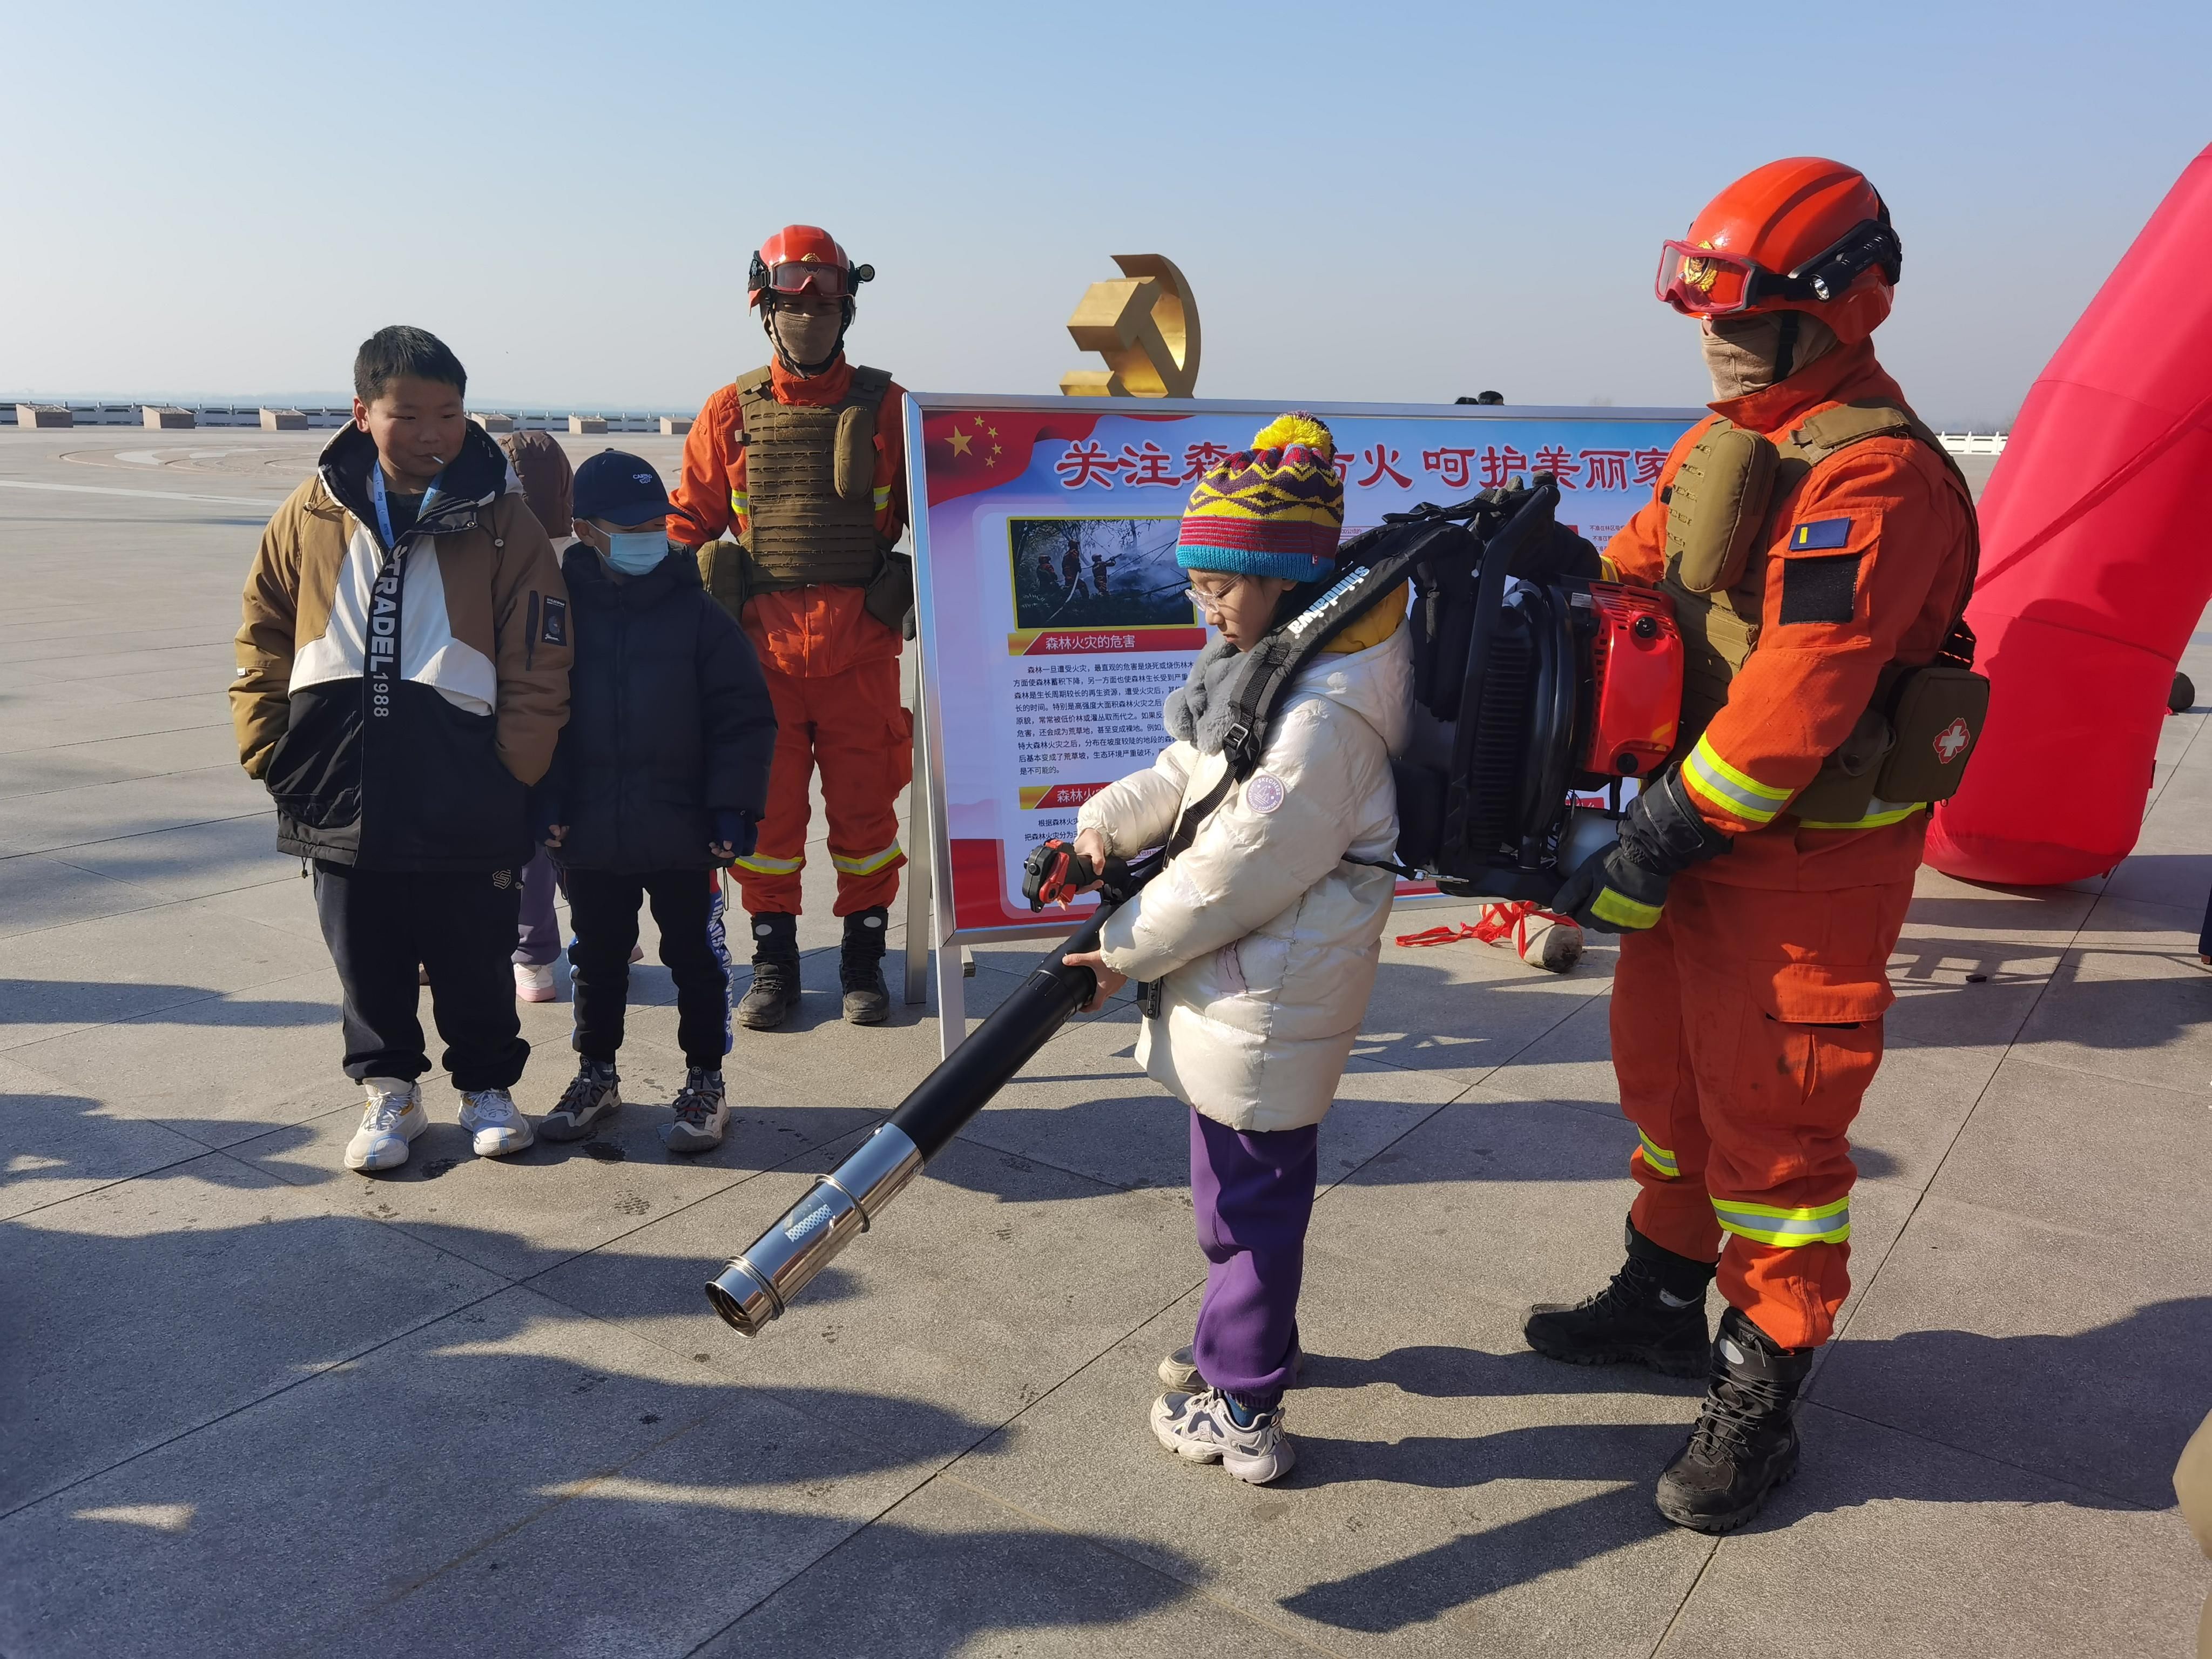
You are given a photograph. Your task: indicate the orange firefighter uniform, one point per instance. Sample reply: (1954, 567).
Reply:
(832, 667)
(1747, 1023)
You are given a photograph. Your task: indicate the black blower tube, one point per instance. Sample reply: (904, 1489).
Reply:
(757, 1286)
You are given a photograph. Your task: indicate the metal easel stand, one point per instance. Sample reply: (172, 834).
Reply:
(929, 895)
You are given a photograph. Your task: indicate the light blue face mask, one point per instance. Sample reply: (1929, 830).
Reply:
(633, 552)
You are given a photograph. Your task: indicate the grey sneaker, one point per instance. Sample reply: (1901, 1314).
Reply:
(1197, 1426)
(496, 1125)
(591, 1097)
(702, 1112)
(1179, 1370)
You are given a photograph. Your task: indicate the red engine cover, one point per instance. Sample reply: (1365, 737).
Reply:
(1635, 663)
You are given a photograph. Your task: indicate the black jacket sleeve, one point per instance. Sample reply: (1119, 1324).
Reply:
(737, 721)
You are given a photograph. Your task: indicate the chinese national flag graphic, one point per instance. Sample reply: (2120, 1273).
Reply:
(970, 450)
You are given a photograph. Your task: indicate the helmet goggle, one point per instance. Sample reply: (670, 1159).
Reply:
(799, 276)
(1704, 281)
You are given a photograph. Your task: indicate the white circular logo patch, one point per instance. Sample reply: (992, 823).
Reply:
(1263, 793)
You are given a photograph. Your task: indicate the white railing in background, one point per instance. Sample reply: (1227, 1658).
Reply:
(1973, 443)
(213, 414)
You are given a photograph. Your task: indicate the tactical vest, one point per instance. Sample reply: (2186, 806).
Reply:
(1718, 512)
(810, 484)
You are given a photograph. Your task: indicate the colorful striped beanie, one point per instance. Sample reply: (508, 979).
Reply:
(1276, 509)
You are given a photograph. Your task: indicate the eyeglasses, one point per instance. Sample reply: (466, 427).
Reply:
(1210, 601)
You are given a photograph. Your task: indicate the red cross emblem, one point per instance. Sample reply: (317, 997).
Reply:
(1951, 742)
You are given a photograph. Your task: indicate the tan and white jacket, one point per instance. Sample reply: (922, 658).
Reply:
(398, 702)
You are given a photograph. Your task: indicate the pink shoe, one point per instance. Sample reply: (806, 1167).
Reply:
(1541, 937)
(533, 981)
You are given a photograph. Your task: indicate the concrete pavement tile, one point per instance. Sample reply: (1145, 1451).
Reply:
(2022, 1151)
(60, 1145)
(220, 1069)
(2077, 1354)
(135, 807)
(950, 1570)
(148, 1308)
(195, 860)
(989, 1281)
(2130, 1002)
(1446, 1483)
(43, 725)
(38, 893)
(513, 1438)
(282, 900)
(518, 1215)
(164, 959)
(1460, 1010)
(1888, 1548)
(1570, 1065)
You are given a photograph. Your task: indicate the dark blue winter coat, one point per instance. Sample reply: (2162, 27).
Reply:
(669, 721)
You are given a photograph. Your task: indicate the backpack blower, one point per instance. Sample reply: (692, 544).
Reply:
(1529, 681)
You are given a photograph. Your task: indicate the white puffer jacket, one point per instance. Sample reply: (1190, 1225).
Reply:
(1267, 940)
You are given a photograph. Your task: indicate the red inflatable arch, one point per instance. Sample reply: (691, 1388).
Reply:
(2096, 564)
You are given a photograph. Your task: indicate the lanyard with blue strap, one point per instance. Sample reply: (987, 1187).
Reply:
(384, 512)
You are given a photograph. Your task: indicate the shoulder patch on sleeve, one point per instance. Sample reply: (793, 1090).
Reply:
(1822, 590)
(1818, 533)
(556, 622)
(1264, 793)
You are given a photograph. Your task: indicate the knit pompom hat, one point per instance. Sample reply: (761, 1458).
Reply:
(1276, 509)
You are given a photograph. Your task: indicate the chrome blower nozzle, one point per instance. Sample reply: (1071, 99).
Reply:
(759, 1285)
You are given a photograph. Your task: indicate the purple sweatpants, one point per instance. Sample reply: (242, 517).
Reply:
(1254, 1195)
(538, 935)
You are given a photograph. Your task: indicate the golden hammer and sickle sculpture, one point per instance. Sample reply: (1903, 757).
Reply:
(1145, 326)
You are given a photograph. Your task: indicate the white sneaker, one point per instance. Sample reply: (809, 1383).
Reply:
(491, 1117)
(1539, 936)
(393, 1117)
(533, 981)
(1197, 1426)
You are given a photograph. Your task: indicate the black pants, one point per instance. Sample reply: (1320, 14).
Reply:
(603, 909)
(380, 925)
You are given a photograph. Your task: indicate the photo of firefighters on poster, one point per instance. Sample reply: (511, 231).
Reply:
(1053, 616)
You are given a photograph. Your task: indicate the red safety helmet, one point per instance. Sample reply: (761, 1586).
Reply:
(1801, 234)
(798, 258)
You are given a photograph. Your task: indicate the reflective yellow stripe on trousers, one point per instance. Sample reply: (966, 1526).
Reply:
(1658, 1159)
(1823, 1223)
(866, 866)
(767, 867)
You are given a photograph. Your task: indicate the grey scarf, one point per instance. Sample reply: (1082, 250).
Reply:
(1199, 712)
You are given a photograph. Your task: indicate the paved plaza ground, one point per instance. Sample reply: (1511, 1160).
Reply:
(253, 1404)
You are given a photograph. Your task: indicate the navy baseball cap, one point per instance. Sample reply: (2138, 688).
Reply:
(619, 490)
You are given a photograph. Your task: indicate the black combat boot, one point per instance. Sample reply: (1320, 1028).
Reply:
(1652, 1314)
(861, 968)
(775, 990)
(1745, 1445)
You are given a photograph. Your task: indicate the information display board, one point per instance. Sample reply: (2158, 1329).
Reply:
(1052, 615)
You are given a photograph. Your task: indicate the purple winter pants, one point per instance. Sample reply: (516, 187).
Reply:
(1254, 1195)
(537, 934)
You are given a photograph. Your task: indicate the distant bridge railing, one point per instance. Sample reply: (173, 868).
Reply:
(1974, 443)
(292, 417)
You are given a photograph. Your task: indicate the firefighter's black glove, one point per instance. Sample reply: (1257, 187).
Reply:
(1623, 888)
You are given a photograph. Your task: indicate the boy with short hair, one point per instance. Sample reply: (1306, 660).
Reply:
(402, 674)
(659, 781)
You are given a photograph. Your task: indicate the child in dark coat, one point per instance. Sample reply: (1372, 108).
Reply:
(659, 781)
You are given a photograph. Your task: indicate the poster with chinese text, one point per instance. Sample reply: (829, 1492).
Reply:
(1053, 616)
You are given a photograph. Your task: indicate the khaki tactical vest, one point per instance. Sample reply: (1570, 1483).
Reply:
(810, 485)
(1719, 508)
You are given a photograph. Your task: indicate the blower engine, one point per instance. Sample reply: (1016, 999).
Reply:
(1523, 691)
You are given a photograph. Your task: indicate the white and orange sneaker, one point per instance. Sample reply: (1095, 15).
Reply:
(1542, 939)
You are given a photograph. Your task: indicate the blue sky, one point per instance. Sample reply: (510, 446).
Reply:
(1372, 201)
